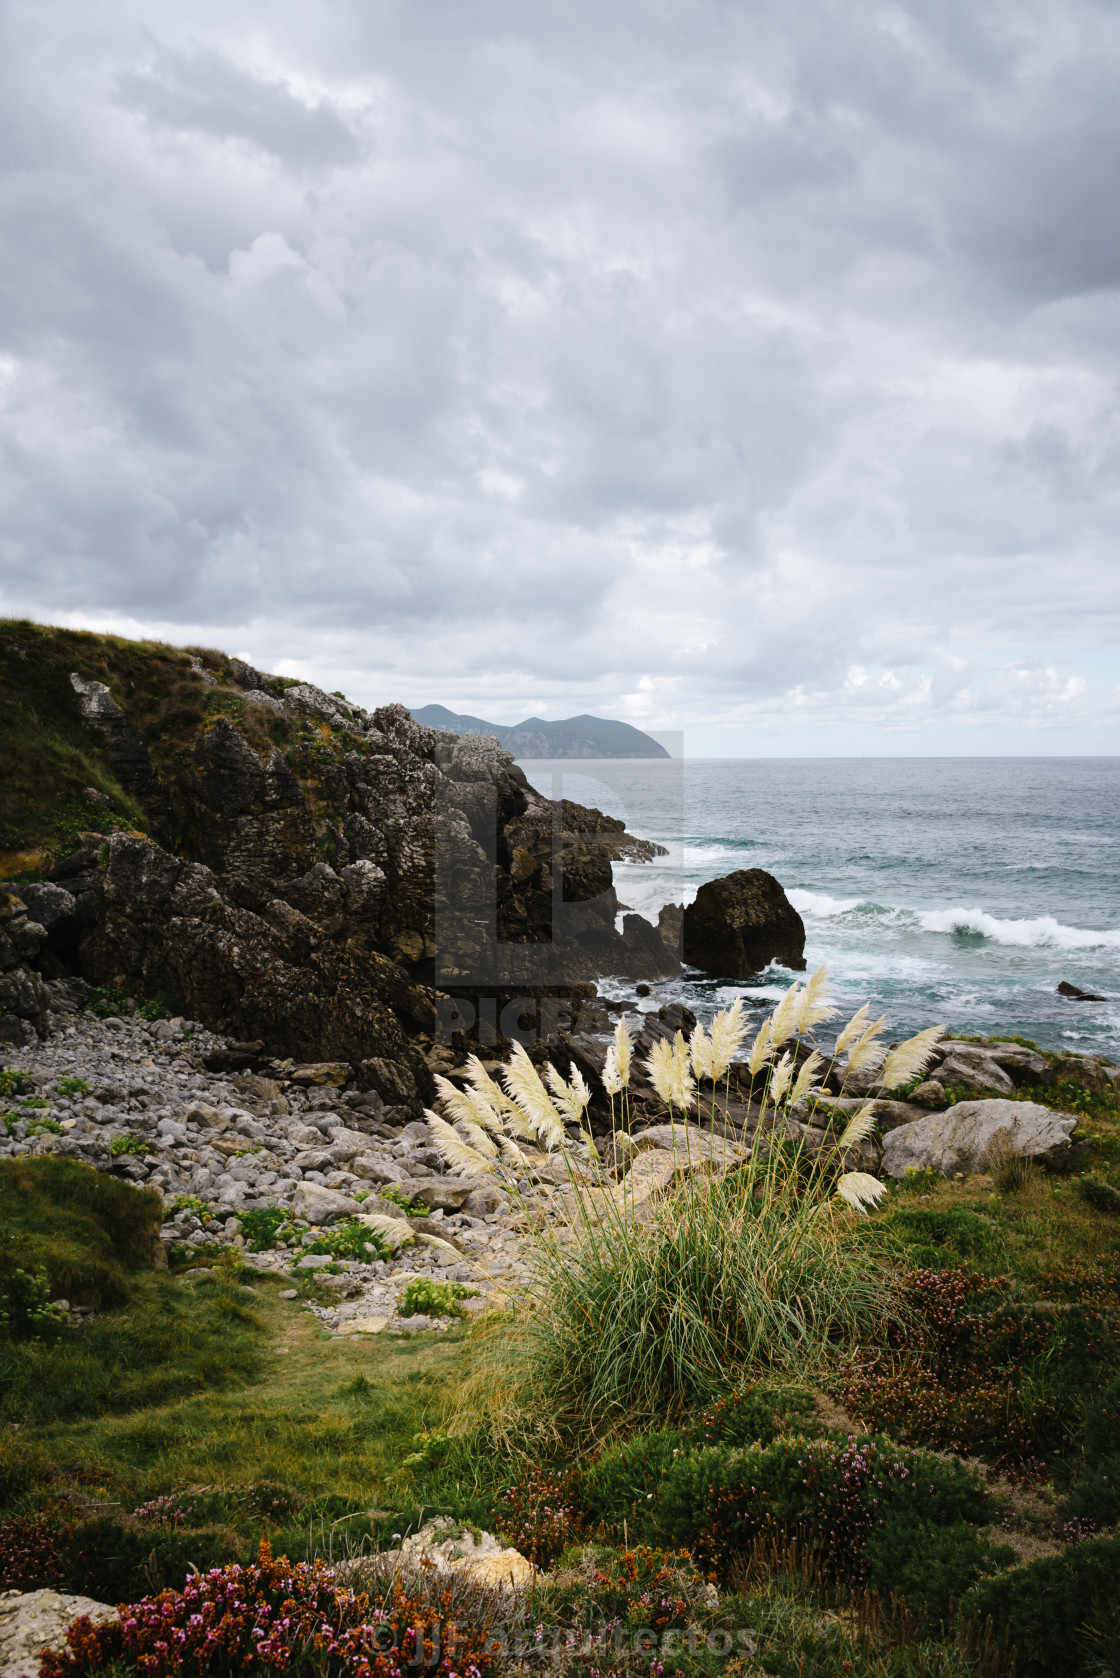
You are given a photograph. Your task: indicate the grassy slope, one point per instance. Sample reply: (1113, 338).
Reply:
(51, 757)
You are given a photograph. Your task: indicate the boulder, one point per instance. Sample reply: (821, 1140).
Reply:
(446, 1547)
(969, 1067)
(930, 1094)
(742, 922)
(378, 1168)
(329, 1074)
(320, 1205)
(966, 1137)
(33, 1621)
(446, 1193)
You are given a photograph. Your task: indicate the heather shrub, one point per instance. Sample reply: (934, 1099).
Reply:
(831, 1497)
(539, 1514)
(109, 1559)
(980, 1370)
(1047, 1609)
(276, 1615)
(642, 1587)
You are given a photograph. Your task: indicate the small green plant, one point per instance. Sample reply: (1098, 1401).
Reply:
(427, 1298)
(107, 1002)
(349, 1240)
(1099, 1194)
(14, 1082)
(25, 1306)
(136, 1145)
(417, 1208)
(193, 1204)
(72, 1089)
(161, 1007)
(44, 1127)
(261, 1225)
(37, 1101)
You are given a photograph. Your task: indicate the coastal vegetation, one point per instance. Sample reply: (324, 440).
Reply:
(747, 1402)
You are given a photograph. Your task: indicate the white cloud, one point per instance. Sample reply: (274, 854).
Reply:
(670, 364)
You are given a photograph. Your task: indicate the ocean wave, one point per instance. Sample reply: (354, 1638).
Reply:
(822, 907)
(1044, 933)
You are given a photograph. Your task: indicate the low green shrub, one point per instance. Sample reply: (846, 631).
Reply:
(417, 1208)
(627, 1481)
(1047, 1607)
(108, 1558)
(931, 1566)
(107, 1001)
(349, 1239)
(260, 1226)
(122, 1146)
(940, 1237)
(1095, 1496)
(86, 1229)
(14, 1082)
(25, 1306)
(829, 1496)
(160, 1007)
(1099, 1194)
(72, 1089)
(425, 1297)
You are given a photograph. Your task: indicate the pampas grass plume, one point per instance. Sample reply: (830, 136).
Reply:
(623, 1052)
(859, 1190)
(761, 1049)
(728, 1030)
(867, 1052)
(609, 1077)
(814, 1004)
(526, 1089)
(853, 1029)
(453, 1150)
(805, 1078)
(858, 1127)
(910, 1057)
(659, 1065)
(784, 1021)
(780, 1077)
(700, 1053)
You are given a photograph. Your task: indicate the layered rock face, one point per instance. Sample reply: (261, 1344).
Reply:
(320, 896)
(740, 923)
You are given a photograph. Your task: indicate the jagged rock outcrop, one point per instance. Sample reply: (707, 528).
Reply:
(740, 923)
(317, 872)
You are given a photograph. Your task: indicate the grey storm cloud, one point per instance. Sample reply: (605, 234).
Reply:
(699, 362)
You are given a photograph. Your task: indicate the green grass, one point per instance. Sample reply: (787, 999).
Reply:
(51, 756)
(642, 1317)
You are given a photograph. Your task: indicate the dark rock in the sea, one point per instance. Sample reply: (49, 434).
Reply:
(645, 953)
(1076, 994)
(670, 924)
(740, 923)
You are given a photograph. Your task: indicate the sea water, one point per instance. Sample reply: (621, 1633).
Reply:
(954, 890)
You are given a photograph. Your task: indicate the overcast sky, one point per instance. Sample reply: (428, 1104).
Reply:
(740, 367)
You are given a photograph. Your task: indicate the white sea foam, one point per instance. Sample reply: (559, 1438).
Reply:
(1043, 933)
(820, 905)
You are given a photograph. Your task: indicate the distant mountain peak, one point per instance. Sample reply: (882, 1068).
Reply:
(582, 736)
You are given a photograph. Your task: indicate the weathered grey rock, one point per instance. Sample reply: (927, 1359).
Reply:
(378, 1168)
(966, 1137)
(442, 1193)
(969, 1067)
(36, 1620)
(740, 923)
(321, 1205)
(930, 1095)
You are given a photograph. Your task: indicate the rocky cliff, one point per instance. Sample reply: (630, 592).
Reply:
(291, 869)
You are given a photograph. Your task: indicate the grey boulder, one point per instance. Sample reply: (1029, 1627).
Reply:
(37, 1620)
(968, 1136)
(320, 1205)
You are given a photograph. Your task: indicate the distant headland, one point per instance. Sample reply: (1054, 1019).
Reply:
(582, 736)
